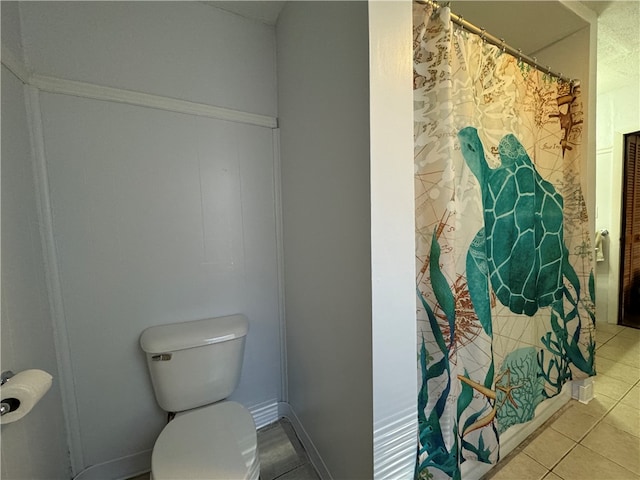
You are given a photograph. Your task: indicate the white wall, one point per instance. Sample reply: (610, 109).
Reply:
(35, 446)
(323, 105)
(393, 240)
(182, 50)
(618, 114)
(158, 217)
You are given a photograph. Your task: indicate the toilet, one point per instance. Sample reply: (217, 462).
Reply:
(194, 366)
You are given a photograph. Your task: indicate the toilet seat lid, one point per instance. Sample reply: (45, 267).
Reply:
(218, 441)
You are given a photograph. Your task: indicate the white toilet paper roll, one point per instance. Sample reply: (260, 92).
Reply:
(26, 387)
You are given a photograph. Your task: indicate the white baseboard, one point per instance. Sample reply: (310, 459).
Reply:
(118, 469)
(139, 463)
(285, 410)
(515, 435)
(264, 413)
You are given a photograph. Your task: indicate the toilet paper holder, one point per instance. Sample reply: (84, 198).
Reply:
(5, 405)
(5, 376)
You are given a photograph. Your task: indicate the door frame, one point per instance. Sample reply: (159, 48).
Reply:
(615, 229)
(622, 223)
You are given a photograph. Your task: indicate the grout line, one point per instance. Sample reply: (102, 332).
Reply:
(576, 443)
(543, 466)
(600, 420)
(520, 449)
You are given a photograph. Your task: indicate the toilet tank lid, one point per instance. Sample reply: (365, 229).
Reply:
(196, 333)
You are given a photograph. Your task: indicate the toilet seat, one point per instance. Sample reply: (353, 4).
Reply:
(218, 441)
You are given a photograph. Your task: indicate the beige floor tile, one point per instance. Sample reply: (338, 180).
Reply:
(617, 445)
(608, 327)
(598, 407)
(603, 337)
(582, 463)
(552, 476)
(625, 344)
(574, 423)
(614, 353)
(611, 387)
(518, 467)
(617, 370)
(624, 417)
(608, 352)
(632, 398)
(630, 332)
(549, 447)
(631, 358)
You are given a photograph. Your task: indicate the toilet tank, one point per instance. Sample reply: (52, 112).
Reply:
(195, 363)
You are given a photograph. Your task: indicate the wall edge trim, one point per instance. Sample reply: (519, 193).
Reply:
(52, 274)
(51, 84)
(286, 410)
(140, 99)
(277, 188)
(604, 150)
(14, 65)
(119, 468)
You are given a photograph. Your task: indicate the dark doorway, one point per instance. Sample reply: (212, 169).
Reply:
(630, 242)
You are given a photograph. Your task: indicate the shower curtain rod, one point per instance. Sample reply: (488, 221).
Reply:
(499, 42)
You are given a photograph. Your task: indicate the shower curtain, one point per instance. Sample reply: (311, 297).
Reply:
(503, 254)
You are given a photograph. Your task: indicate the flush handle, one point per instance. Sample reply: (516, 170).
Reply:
(161, 357)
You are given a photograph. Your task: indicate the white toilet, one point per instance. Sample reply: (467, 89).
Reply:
(193, 366)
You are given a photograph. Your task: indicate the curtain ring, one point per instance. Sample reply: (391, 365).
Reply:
(503, 46)
(520, 55)
(483, 33)
(460, 23)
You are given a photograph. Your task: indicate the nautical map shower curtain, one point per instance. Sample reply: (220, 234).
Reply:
(504, 259)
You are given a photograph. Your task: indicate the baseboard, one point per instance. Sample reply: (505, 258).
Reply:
(285, 410)
(514, 436)
(139, 463)
(264, 413)
(118, 469)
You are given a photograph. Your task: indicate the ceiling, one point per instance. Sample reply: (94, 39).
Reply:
(498, 19)
(265, 11)
(618, 49)
(618, 31)
(618, 44)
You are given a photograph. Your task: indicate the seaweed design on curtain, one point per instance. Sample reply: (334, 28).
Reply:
(504, 270)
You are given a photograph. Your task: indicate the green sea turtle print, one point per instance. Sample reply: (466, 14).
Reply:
(522, 247)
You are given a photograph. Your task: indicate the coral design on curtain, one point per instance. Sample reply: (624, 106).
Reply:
(504, 257)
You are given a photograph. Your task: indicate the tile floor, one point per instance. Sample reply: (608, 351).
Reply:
(597, 441)
(282, 456)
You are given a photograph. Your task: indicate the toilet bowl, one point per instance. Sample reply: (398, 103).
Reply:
(194, 366)
(218, 441)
